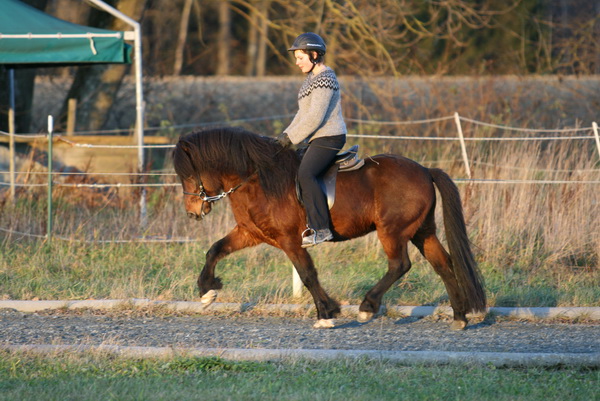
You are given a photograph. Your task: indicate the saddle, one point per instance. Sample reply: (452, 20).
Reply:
(344, 161)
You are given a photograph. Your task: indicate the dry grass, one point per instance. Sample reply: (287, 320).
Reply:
(537, 244)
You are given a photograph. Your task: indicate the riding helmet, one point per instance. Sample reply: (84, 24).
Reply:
(309, 41)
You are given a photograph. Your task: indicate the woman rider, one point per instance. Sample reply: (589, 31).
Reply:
(319, 123)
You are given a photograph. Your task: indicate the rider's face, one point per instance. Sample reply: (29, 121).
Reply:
(303, 61)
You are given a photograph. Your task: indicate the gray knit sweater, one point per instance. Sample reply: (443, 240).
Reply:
(319, 109)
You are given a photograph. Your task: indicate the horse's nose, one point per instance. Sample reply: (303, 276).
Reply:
(192, 215)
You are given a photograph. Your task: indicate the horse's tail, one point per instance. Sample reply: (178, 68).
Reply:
(464, 265)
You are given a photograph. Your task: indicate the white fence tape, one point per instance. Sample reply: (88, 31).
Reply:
(456, 117)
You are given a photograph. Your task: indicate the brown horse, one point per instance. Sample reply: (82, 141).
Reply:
(390, 194)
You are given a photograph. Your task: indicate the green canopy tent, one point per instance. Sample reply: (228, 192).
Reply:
(32, 38)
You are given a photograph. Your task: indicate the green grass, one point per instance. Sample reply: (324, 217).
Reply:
(32, 270)
(537, 245)
(93, 377)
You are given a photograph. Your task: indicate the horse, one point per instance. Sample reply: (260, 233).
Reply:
(390, 194)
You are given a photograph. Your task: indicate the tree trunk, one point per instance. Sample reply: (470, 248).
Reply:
(224, 41)
(261, 57)
(256, 62)
(252, 48)
(183, 31)
(96, 86)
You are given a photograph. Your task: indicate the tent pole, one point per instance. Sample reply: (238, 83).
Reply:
(139, 94)
(11, 131)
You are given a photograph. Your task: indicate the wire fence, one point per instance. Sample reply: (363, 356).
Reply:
(592, 136)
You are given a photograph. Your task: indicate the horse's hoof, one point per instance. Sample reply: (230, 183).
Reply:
(364, 317)
(324, 324)
(208, 298)
(458, 325)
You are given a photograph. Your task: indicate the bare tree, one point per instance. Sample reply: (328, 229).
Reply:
(258, 19)
(224, 40)
(372, 37)
(183, 31)
(252, 48)
(261, 57)
(95, 86)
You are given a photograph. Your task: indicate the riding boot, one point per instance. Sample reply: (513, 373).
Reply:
(315, 237)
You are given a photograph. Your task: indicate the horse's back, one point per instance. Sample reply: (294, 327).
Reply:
(388, 174)
(389, 189)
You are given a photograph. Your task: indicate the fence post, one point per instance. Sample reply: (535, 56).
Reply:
(12, 130)
(595, 127)
(296, 284)
(462, 144)
(49, 221)
(71, 116)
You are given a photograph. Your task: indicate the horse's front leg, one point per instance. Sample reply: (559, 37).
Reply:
(237, 239)
(327, 307)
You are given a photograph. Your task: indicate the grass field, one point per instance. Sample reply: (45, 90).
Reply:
(536, 244)
(96, 376)
(262, 275)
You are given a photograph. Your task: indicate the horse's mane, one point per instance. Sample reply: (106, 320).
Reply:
(232, 150)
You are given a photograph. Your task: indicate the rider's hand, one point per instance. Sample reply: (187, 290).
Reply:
(284, 140)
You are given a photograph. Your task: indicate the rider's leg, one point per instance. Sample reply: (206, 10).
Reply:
(316, 160)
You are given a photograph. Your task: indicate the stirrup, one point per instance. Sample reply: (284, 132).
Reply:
(315, 237)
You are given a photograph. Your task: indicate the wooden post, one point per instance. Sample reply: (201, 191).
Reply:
(595, 128)
(11, 131)
(462, 144)
(71, 116)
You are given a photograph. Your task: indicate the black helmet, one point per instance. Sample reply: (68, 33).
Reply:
(309, 41)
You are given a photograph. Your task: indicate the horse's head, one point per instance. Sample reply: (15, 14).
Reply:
(195, 199)
(212, 164)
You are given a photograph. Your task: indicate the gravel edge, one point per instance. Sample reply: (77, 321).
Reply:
(588, 313)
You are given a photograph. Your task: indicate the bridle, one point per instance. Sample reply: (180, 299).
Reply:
(205, 198)
(210, 199)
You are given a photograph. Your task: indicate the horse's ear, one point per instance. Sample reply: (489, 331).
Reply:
(185, 145)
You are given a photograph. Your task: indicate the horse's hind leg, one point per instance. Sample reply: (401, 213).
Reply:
(398, 265)
(439, 258)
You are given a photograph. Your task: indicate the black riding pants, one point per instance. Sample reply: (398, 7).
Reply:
(316, 160)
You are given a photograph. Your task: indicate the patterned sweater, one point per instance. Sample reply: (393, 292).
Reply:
(319, 109)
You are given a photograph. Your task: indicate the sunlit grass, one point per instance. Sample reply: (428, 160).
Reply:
(536, 244)
(96, 376)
